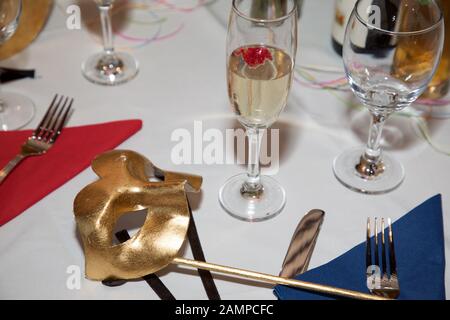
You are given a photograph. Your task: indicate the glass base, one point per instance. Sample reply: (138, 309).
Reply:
(16, 111)
(266, 206)
(110, 69)
(344, 167)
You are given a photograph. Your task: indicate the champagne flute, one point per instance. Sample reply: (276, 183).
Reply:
(261, 49)
(109, 67)
(15, 110)
(387, 72)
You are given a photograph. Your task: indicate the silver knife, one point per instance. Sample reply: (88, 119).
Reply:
(302, 244)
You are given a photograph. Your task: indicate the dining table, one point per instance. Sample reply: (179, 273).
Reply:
(181, 87)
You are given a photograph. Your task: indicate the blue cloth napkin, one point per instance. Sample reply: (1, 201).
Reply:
(419, 248)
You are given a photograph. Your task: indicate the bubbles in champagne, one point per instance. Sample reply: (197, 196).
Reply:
(259, 79)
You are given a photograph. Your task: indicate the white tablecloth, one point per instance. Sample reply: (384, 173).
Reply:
(182, 80)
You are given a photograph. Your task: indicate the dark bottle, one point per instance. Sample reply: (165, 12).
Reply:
(370, 42)
(271, 9)
(342, 11)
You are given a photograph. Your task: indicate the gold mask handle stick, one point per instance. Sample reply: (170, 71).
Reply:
(267, 278)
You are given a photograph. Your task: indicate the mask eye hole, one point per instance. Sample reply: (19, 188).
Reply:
(131, 221)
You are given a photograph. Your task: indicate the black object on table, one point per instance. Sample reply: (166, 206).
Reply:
(8, 74)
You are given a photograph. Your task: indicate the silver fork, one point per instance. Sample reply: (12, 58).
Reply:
(45, 134)
(379, 281)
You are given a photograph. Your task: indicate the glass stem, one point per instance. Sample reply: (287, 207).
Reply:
(252, 187)
(370, 165)
(373, 148)
(108, 40)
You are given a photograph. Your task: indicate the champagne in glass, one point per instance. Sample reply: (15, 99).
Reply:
(261, 48)
(259, 87)
(109, 67)
(16, 110)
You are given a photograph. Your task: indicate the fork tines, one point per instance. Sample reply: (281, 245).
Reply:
(51, 125)
(387, 245)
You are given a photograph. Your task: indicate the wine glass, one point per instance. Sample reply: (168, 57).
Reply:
(261, 49)
(391, 51)
(15, 110)
(109, 67)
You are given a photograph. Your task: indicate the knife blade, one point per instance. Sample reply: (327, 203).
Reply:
(302, 244)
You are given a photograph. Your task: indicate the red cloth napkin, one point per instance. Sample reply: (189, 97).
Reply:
(37, 176)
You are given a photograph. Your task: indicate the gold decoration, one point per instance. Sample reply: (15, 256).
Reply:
(32, 20)
(125, 186)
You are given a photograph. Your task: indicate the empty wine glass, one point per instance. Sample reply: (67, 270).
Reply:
(261, 49)
(109, 67)
(391, 51)
(15, 110)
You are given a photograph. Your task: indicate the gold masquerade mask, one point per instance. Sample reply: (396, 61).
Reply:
(124, 186)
